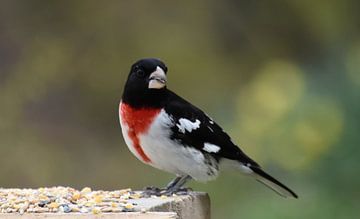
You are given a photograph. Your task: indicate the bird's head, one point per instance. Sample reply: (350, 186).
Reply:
(147, 79)
(147, 73)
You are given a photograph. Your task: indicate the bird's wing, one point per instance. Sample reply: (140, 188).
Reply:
(193, 128)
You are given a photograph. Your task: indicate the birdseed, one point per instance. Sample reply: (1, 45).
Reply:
(66, 200)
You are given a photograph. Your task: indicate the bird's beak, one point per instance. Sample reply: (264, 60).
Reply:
(157, 79)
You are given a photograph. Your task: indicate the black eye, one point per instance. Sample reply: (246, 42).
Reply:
(140, 73)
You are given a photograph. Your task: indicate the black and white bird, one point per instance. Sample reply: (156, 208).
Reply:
(167, 132)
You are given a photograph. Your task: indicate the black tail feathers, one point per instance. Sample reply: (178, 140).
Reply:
(272, 183)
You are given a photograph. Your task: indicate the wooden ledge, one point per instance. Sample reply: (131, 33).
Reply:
(196, 205)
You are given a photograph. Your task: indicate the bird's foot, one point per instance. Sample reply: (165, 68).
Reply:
(152, 190)
(155, 191)
(178, 191)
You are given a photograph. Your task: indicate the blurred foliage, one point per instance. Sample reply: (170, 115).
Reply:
(282, 77)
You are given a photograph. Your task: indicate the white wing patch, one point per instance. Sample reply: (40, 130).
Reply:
(211, 148)
(187, 125)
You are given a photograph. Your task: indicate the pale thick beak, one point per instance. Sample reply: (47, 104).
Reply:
(157, 79)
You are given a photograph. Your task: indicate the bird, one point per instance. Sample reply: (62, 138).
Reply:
(169, 133)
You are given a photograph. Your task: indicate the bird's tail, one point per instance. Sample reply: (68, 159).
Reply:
(271, 182)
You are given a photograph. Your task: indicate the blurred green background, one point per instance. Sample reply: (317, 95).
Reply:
(282, 77)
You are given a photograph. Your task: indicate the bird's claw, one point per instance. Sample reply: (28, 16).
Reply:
(179, 191)
(154, 191)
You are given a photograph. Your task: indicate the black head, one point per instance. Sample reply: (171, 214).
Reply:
(146, 83)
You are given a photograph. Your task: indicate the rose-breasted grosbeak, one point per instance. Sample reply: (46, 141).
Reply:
(167, 132)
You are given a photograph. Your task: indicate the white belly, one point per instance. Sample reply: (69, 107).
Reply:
(170, 156)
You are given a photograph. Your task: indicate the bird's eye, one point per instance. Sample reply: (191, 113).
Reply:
(140, 73)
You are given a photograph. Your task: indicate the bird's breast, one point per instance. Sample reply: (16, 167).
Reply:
(136, 122)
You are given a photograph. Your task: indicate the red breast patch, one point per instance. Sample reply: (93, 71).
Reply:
(138, 121)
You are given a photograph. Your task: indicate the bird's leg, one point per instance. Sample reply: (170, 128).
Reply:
(174, 186)
(177, 187)
(173, 182)
(152, 190)
(181, 190)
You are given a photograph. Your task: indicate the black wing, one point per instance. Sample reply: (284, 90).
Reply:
(208, 132)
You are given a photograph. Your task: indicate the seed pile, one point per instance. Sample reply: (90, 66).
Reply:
(66, 200)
